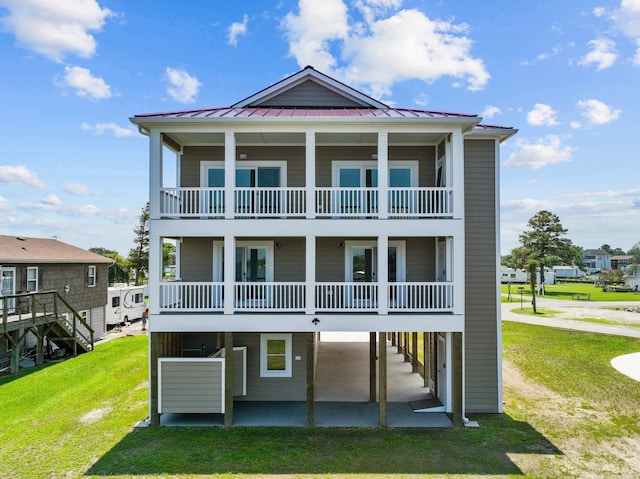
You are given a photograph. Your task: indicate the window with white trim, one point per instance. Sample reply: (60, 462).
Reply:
(275, 355)
(32, 279)
(91, 276)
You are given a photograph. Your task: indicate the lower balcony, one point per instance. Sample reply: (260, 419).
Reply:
(292, 297)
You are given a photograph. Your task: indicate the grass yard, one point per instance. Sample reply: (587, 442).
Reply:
(566, 290)
(568, 414)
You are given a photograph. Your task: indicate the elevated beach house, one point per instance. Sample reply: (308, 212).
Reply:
(311, 207)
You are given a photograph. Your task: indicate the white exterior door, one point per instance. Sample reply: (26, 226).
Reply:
(8, 287)
(441, 370)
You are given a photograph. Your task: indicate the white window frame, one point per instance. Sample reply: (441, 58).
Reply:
(401, 258)
(92, 276)
(288, 367)
(336, 165)
(218, 249)
(254, 165)
(33, 289)
(84, 314)
(205, 166)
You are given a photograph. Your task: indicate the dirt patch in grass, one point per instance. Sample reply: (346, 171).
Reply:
(95, 415)
(570, 425)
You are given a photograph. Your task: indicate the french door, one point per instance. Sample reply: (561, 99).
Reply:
(258, 189)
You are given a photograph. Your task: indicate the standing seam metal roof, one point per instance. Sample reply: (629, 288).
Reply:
(275, 112)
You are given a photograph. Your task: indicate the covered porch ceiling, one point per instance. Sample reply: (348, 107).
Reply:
(176, 140)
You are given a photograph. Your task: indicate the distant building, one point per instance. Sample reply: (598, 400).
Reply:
(568, 272)
(595, 260)
(621, 262)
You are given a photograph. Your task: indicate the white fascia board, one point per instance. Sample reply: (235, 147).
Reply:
(501, 134)
(279, 322)
(303, 227)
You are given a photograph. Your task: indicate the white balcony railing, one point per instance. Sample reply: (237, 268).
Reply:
(191, 296)
(269, 296)
(420, 202)
(347, 202)
(291, 297)
(291, 202)
(270, 202)
(346, 296)
(424, 297)
(192, 202)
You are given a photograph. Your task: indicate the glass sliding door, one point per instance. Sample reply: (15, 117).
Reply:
(259, 189)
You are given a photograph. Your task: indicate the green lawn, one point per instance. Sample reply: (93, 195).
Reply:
(75, 418)
(564, 291)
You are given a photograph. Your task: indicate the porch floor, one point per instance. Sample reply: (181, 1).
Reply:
(342, 394)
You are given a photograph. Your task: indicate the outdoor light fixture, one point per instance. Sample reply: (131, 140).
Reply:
(277, 244)
(243, 156)
(67, 288)
(374, 156)
(341, 245)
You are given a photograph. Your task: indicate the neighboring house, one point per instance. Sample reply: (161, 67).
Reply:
(30, 265)
(632, 281)
(568, 272)
(595, 260)
(311, 207)
(621, 263)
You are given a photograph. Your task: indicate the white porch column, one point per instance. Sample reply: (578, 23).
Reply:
(455, 172)
(155, 274)
(229, 273)
(310, 275)
(383, 174)
(155, 173)
(229, 174)
(383, 273)
(310, 174)
(457, 245)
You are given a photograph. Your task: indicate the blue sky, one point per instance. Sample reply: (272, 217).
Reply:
(72, 72)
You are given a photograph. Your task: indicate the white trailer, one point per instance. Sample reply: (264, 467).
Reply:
(124, 303)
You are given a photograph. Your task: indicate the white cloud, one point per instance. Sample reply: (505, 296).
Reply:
(603, 54)
(627, 18)
(554, 51)
(409, 44)
(51, 200)
(490, 111)
(19, 175)
(236, 29)
(598, 113)
(605, 194)
(69, 210)
(55, 28)
(182, 86)
(543, 151)
(102, 128)
(4, 204)
(542, 115)
(77, 189)
(599, 11)
(85, 84)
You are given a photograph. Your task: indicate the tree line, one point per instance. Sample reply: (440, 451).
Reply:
(544, 244)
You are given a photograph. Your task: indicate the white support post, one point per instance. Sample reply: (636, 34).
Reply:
(229, 274)
(155, 173)
(383, 174)
(310, 173)
(455, 168)
(457, 245)
(155, 274)
(229, 174)
(310, 275)
(383, 274)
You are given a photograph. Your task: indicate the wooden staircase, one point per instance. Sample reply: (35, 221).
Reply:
(48, 316)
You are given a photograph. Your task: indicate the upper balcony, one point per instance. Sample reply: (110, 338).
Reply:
(332, 202)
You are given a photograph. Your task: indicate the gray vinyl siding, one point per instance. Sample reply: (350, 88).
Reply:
(481, 335)
(196, 259)
(191, 386)
(194, 155)
(421, 259)
(273, 388)
(190, 162)
(329, 260)
(289, 260)
(309, 94)
(97, 321)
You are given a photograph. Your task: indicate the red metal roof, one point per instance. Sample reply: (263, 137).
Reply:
(261, 112)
